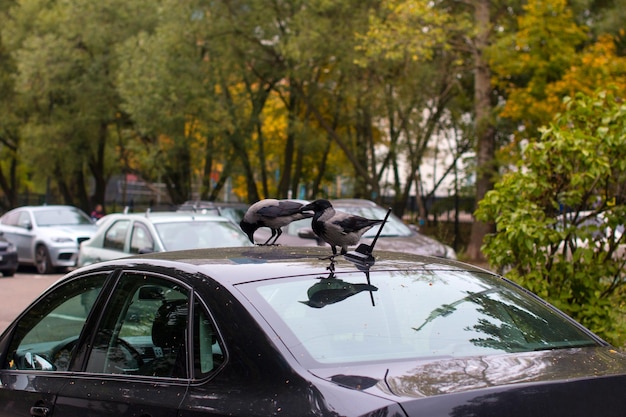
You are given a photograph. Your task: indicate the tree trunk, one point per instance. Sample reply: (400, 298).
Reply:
(96, 165)
(286, 174)
(485, 132)
(209, 150)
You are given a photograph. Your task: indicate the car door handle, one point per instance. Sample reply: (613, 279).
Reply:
(39, 411)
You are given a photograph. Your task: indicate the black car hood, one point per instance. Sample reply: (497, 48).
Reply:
(568, 382)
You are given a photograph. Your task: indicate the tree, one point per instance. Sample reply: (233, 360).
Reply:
(419, 75)
(65, 67)
(528, 61)
(484, 125)
(576, 169)
(162, 81)
(10, 121)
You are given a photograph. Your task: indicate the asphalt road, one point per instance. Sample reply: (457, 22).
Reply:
(19, 291)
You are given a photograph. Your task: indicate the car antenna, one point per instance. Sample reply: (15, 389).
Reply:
(363, 253)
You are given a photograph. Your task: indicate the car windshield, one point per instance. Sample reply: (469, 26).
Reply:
(200, 234)
(344, 318)
(393, 227)
(61, 217)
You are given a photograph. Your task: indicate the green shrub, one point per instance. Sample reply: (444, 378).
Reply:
(578, 167)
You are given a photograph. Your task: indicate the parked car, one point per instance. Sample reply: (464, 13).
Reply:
(589, 228)
(233, 211)
(122, 234)
(8, 257)
(276, 330)
(47, 237)
(395, 235)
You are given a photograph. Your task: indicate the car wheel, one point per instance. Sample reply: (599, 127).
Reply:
(42, 260)
(8, 272)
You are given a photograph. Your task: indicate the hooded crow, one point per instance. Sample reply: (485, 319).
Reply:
(337, 228)
(273, 214)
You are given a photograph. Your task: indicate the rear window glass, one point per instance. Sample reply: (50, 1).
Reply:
(344, 318)
(61, 216)
(200, 234)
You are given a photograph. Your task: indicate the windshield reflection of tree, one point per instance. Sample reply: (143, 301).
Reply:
(522, 328)
(513, 324)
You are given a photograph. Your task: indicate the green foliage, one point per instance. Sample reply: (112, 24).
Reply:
(578, 167)
(538, 53)
(64, 79)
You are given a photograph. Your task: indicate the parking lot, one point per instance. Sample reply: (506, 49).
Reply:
(19, 291)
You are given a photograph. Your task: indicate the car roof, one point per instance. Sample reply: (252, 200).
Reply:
(352, 202)
(235, 265)
(199, 204)
(167, 216)
(46, 207)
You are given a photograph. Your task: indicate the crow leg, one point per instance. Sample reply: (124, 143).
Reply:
(278, 233)
(268, 240)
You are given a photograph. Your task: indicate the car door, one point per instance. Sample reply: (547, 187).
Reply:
(141, 241)
(37, 349)
(113, 244)
(138, 361)
(18, 229)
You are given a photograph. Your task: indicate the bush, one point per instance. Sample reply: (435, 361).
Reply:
(573, 174)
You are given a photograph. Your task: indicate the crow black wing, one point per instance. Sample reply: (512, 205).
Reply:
(356, 223)
(284, 208)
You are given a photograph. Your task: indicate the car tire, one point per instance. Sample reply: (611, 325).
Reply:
(8, 272)
(42, 260)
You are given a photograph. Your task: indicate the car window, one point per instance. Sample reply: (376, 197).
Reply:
(23, 220)
(144, 329)
(409, 315)
(116, 235)
(208, 353)
(200, 234)
(294, 227)
(61, 216)
(11, 219)
(45, 336)
(140, 239)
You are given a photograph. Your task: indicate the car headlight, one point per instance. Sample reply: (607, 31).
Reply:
(62, 239)
(11, 248)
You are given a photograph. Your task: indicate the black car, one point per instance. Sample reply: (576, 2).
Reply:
(285, 331)
(8, 257)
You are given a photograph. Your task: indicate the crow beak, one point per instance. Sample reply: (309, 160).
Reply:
(306, 208)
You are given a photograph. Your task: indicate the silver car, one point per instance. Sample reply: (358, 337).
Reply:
(120, 235)
(47, 237)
